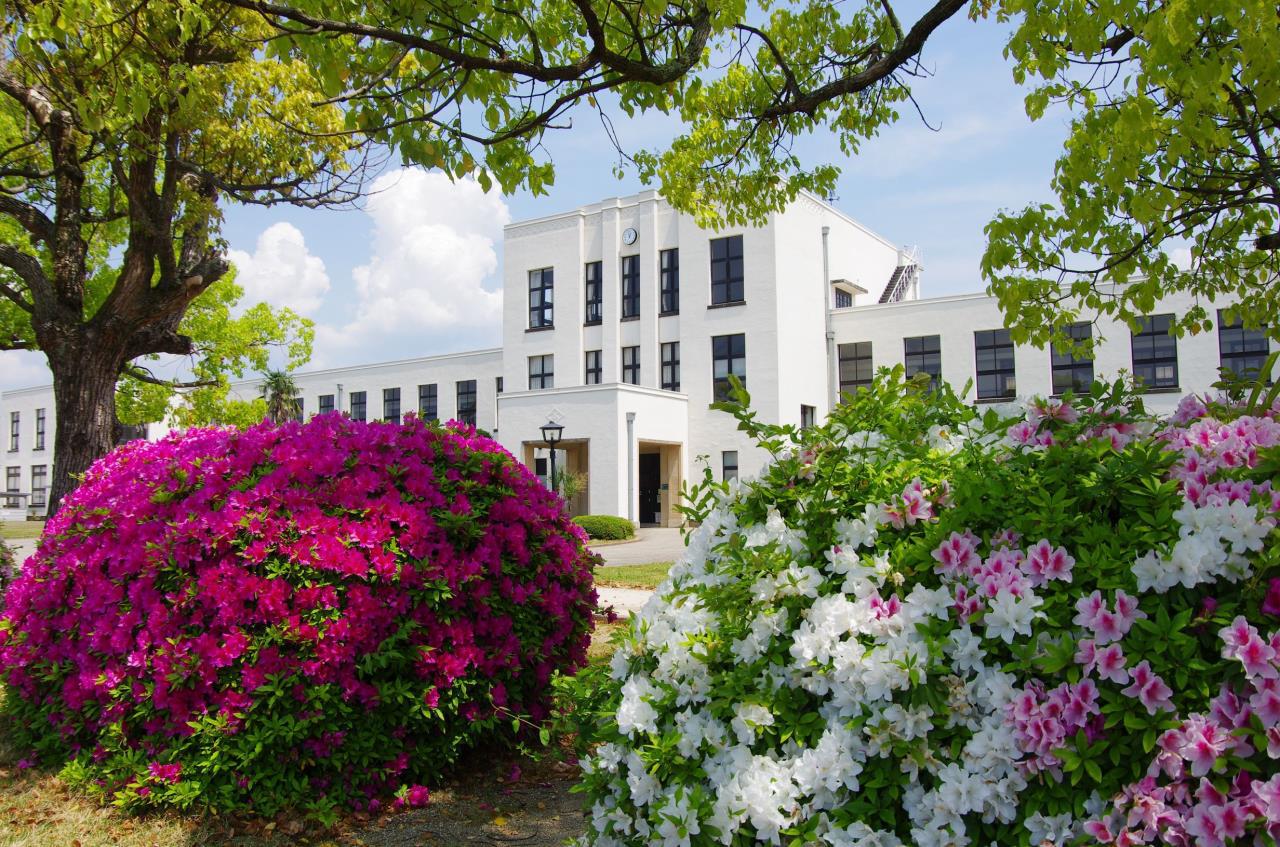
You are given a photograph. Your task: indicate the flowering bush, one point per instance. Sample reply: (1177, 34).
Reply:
(922, 625)
(7, 566)
(305, 615)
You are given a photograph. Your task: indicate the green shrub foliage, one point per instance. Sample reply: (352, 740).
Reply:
(606, 527)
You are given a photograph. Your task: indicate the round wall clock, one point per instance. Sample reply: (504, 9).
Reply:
(629, 236)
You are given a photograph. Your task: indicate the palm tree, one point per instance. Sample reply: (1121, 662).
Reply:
(281, 394)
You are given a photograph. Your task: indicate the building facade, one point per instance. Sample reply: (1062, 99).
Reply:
(623, 322)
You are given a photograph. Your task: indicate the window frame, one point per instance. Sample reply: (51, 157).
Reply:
(631, 370)
(588, 371)
(40, 429)
(1149, 335)
(839, 294)
(542, 312)
(593, 294)
(993, 345)
(429, 401)
(1248, 339)
(922, 363)
(467, 414)
(40, 495)
(669, 353)
(630, 285)
(724, 282)
(808, 416)
(722, 350)
(545, 374)
(725, 465)
(858, 383)
(12, 479)
(1071, 365)
(669, 282)
(324, 403)
(15, 430)
(390, 395)
(363, 397)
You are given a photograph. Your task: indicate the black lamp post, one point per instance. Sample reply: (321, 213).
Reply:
(551, 435)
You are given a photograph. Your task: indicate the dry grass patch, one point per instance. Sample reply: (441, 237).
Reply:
(17, 530)
(632, 576)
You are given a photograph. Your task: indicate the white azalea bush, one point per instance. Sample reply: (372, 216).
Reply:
(928, 625)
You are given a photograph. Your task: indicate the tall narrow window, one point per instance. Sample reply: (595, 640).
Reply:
(39, 429)
(726, 270)
(671, 366)
(595, 291)
(541, 372)
(923, 354)
(12, 479)
(729, 465)
(358, 409)
(728, 358)
(856, 371)
(15, 426)
(541, 297)
(391, 404)
(40, 485)
(1155, 352)
(593, 370)
(428, 408)
(631, 365)
(669, 281)
(326, 404)
(467, 401)
(808, 416)
(1242, 351)
(630, 287)
(1072, 372)
(497, 385)
(299, 407)
(993, 352)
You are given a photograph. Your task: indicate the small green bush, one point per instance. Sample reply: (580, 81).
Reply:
(606, 527)
(8, 565)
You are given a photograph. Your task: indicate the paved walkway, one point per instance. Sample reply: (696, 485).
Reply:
(651, 545)
(623, 600)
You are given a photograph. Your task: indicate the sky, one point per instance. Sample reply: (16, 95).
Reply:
(416, 271)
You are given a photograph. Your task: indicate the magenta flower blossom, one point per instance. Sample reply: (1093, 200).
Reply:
(1149, 689)
(1271, 603)
(1044, 562)
(1241, 641)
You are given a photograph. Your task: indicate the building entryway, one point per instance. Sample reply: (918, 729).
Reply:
(650, 488)
(658, 480)
(572, 459)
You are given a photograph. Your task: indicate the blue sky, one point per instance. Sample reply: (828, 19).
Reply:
(417, 271)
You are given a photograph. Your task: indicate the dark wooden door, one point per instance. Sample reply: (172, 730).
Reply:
(650, 496)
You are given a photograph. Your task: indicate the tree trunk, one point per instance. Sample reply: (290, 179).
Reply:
(84, 397)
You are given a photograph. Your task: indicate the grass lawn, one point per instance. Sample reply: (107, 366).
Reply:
(633, 576)
(13, 530)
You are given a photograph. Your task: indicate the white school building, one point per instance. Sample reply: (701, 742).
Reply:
(622, 321)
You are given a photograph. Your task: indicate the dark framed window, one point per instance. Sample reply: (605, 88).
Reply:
(358, 409)
(326, 404)
(671, 366)
(842, 299)
(391, 404)
(497, 384)
(299, 406)
(12, 479)
(993, 355)
(40, 485)
(1071, 372)
(595, 291)
(40, 429)
(726, 270)
(729, 465)
(669, 281)
(728, 358)
(923, 354)
(594, 369)
(542, 372)
(1241, 351)
(856, 371)
(1155, 352)
(808, 416)
(631, 365)
(467, 401)
(15, 426)
(541, 298)
(630, 287)
(428, 402)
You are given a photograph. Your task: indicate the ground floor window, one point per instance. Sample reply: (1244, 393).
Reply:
(1242, 351)
(326, 404)
(1070, 371)
(467, 401)
(1155, 352)
(358, 405)
(729, 465)
(923, 354)
(391, 405)
(428, 408)
(856, 371)
(808, 416)
(12, 478)
(39, 485)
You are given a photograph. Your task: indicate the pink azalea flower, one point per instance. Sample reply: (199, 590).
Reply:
(1149, 689)
(1045, 562)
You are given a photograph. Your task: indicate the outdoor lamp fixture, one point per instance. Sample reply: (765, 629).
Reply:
(551, 435)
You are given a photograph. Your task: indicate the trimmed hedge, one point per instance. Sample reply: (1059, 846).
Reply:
(606, 527)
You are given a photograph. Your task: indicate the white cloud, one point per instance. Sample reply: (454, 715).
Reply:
(281, 271)
(23, 369)
(433, 249)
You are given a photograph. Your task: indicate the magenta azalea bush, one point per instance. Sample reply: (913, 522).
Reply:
(305, 616)
(930, 625)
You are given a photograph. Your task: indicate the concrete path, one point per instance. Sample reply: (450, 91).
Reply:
(623, 600)
(651, 545)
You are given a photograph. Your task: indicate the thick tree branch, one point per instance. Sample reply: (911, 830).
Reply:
(28, 268)
(141, 374)
(33, 220)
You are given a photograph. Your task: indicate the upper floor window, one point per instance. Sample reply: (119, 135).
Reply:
(595, 291)
(594, 369)
(631, 365)
(1072, 372)
(808, 416)
(15, 427)
(40, 485)
(1242, 351)
(1155, 352)
(541, 372)
(630, 287)
(326, 404)
(923, 354)
(497, 384)
(541, 296)
(428, 407)
(728, 358)
(39, 429)
(671, 366)
(358, 410)
(855, 366)
(993, 350)
(669, 281)
(842, 299)
(467, 401)
(391, 404)
(726, 270)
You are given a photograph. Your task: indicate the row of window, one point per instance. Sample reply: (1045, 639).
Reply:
(15, 430)
(1154, 356)
(39, 483)
(727, 284)
(728, 357)
(428, 403)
